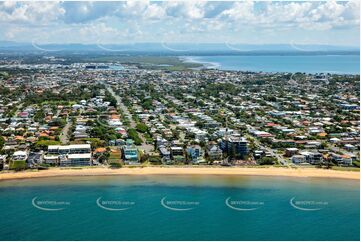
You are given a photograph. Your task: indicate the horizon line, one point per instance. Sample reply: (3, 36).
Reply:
(185, 43)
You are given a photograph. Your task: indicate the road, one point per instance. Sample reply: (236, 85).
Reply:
(292, 81)
(122, 106)
(145, 147)
(279, 157)
(18, 110)
(64, 136)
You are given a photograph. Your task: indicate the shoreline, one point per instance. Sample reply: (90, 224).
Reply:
(211, 65)
(240, 171)
(207, 65)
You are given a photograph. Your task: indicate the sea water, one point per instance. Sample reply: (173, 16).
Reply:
(180, 208)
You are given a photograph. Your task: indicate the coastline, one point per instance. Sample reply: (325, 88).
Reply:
(205, 64)
(210, 63)
(241, 171)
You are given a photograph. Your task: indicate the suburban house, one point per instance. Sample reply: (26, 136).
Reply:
(298, 159)
(195, 154)
(165, 154)
(291, 151)
(20, 155)
(214, 152)
(2, 161)
(177, 154)
(130, 154)
(313, 158)
(341, 160)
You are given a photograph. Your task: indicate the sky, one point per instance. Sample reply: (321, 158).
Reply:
(244, 22)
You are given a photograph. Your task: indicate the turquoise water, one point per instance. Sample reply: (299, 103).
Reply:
(340, 64)
(180, 208)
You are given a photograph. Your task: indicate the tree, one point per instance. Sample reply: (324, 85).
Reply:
(43, 144)
(39, 116)
(94, 142)
(2, 142)
(18, 165)
(141, 127)
(147, 104)
(200, 124)
(58, 122)
(104, 133)
(132, 133)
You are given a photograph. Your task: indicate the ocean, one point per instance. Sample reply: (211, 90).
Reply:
(179, 208)
(334, 64)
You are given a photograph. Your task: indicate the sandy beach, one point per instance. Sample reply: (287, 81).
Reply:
(100, 171)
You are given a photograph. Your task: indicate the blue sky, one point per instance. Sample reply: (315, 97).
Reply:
(248, 22)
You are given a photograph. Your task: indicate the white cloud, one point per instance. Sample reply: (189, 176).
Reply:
(320, 15)
(31, 12)
(141, 10)
(329, 13)
(240, 11)
(137, 19)
(185, 9)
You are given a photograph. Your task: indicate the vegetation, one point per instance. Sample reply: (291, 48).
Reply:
(132, 134)
(18, 165)
(94, 142)
(2, 142)
(267, 161)
(141, 127)
(116, 165)
(43, 144)
(104, 133)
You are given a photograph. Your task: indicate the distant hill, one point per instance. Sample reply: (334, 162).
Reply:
(180, 48)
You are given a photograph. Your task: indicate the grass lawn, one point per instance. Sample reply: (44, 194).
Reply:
(114, 156)
(341, 168)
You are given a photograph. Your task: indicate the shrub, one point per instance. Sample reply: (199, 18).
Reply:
(115, 165)
(267, 161)
(18, 165)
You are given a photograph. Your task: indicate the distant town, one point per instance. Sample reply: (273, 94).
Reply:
(131, 114)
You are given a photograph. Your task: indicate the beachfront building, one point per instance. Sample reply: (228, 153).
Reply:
(298, 159)
(20, 155)
(165, 154)
(177, 154)
(313, 158)
(130, 154)
(214, 152)
(69, 149)
(51, 159)
(195, 154)
(235, 146)
(341, 160)
(69, 155)
(3, 161)
(75, 160)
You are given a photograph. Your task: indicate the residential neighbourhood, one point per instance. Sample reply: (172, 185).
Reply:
(180, 120)
(74, 115)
